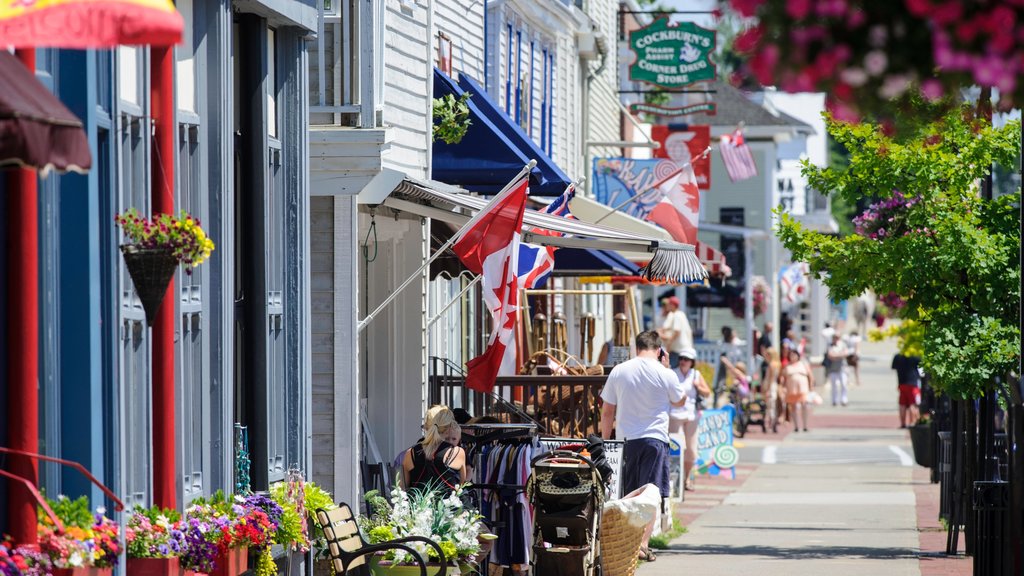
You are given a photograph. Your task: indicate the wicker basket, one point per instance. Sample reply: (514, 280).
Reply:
(620, 543)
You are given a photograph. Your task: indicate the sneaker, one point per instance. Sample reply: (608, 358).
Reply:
(806, 430)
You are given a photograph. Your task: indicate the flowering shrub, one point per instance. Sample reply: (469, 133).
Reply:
(22, 561)
(888, 218)
(87, 541)
(183, 235)
(153, 533)
(429, 513)
(864, 54)
(291, 495)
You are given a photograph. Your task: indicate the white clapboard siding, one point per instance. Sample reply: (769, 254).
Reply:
(406, 98)
(463, 22)
(604, 124)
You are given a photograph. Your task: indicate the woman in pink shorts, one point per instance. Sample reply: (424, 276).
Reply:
(798, 382)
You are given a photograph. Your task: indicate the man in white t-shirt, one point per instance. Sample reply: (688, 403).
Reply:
(675, 331)
(637, 398)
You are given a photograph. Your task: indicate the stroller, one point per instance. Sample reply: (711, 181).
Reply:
(567, 494)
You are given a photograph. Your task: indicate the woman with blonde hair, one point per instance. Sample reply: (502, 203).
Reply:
(434, 462)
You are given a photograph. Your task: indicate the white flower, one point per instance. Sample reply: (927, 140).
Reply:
(875, 62)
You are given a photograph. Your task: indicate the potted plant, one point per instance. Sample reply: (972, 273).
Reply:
(22, 561)
(427, 512)
(89, 544)
(154, 542)
(154, 247)
(208, 527)
(316, 498)
(922, 437)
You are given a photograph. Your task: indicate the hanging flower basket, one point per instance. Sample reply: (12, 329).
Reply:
(151, 270)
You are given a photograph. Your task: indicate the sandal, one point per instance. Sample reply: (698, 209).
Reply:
(646, 554)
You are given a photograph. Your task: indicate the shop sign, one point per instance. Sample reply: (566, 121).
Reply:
(707, 107)
(612, 452)
(672, 55)
(715, 452)
(685, 146)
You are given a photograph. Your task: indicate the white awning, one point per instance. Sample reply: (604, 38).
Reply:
(669, 260)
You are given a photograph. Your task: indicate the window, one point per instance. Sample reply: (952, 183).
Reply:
(185, 55)
(193, 353)
(135, 348)
(509, 74)
(272, 83)
(551, 101)
(129, 67)
(281, 404)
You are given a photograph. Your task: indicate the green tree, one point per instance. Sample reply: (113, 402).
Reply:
(929, 237)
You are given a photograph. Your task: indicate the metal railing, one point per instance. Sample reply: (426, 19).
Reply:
(345, 63)
(559, 405)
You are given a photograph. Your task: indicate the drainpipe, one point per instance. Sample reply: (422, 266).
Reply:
(161, 94)
(23, 337)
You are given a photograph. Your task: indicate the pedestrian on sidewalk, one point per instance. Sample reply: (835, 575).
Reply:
(835, 367)
(908, 377)
(683, 420)
(638, 395)
(798, 383)
(853, 357)
(675, 332)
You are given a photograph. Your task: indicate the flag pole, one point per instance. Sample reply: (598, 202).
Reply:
(394, 294)
(636, 197)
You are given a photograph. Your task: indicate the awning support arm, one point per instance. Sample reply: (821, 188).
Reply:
(415, 275)
(458, 297)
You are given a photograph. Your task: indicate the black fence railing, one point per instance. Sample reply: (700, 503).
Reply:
(980, 469)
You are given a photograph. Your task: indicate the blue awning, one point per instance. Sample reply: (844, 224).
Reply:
(593, 260)
(494, 149)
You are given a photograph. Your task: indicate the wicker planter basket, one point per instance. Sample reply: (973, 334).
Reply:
(151, 270)
(620, 543)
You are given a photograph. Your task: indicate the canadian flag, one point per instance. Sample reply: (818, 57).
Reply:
(489, 245)
(679, 208)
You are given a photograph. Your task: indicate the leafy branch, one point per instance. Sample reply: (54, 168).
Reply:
(451, 118)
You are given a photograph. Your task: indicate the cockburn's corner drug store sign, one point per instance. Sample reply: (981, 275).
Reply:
(672, 56)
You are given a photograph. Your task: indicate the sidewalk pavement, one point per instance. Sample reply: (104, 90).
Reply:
(844, 499)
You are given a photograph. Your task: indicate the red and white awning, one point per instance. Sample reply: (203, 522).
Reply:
(713, 260)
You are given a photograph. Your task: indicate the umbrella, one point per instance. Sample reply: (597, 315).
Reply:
(36, 129)
(88, 23)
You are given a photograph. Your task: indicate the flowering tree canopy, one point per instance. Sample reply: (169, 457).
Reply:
(866, 54)
(930, 238)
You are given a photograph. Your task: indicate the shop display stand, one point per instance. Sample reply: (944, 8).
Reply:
(494, 434)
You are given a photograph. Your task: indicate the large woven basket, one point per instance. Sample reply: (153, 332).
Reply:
(620, 543)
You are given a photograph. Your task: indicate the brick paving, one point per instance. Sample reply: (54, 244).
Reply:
(933, 559)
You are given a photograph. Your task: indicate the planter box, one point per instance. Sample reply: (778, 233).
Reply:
(232, 563)
(83, 571)
(155, 567)
(922, 437)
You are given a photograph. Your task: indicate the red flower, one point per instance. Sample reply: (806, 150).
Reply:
(748, 40)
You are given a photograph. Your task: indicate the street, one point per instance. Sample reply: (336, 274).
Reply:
(839, 499)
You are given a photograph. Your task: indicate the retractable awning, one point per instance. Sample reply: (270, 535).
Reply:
(593, 261)
(677, 262)
(592, 211)
(493, 149)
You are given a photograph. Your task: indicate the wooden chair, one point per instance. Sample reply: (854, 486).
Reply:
(348, 549)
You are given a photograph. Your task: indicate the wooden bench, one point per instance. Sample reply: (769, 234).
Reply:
(349, 550)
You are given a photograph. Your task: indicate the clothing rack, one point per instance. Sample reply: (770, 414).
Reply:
(500, 499)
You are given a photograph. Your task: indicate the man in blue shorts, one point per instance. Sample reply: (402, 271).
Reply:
(637, 398)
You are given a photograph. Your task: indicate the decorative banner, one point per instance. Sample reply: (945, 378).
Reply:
(617, 179)
(715, 452)
(672, 55)
(84, 24)
(708, 107)
(682, 146)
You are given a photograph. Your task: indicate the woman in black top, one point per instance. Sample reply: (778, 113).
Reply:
(434, 462)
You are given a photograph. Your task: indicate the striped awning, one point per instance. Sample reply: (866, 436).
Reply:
(713, 260)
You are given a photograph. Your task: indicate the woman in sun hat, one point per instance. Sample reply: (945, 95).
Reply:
(683, 420)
